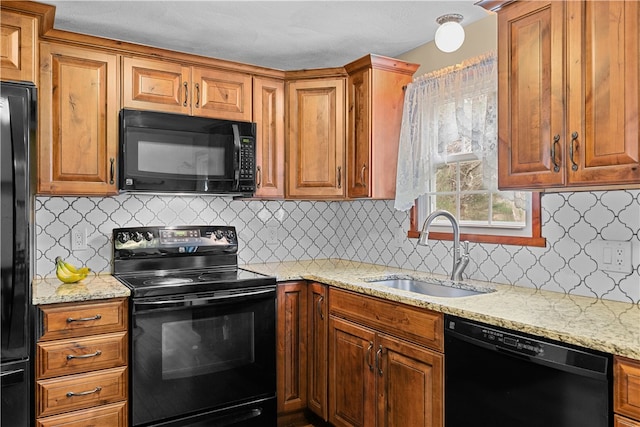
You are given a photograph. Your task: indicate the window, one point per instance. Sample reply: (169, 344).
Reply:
(448, 158)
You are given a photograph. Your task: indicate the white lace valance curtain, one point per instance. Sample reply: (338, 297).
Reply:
(455, 104)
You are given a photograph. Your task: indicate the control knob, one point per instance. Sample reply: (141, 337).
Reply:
(124, 237)
(148, 236)
(137, 236)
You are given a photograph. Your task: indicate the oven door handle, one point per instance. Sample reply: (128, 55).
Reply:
(183, 302)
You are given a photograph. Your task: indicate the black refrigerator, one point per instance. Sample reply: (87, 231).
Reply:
(17, 139)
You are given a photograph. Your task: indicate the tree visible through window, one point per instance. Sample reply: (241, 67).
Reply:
(448, 154)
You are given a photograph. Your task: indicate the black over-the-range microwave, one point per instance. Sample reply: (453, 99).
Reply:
(175, 153)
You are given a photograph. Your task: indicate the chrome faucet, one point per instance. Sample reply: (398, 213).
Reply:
(460, 255)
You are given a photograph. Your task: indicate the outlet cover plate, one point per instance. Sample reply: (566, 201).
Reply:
(615, 256)
(79, 239)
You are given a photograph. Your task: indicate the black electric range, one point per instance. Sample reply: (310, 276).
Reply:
(159, 261)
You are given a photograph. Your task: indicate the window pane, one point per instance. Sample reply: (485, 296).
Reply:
(471, 176)
(446, 178)
(510, 207)
(448, 203)
(474, 207)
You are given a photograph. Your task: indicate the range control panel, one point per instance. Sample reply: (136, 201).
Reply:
(155, 241)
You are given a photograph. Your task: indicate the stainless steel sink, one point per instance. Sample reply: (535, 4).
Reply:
(428, 287)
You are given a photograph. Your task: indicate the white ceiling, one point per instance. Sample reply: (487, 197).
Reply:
(286, 35)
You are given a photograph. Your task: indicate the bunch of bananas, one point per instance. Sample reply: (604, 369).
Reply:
(68, 273)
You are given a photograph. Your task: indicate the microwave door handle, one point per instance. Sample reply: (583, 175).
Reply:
(237, 154)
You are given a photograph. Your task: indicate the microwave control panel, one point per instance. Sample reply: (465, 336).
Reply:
(247, 164)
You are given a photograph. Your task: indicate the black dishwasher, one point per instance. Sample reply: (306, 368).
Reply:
(495, 377)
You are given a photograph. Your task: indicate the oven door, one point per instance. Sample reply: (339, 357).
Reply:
(206, 353)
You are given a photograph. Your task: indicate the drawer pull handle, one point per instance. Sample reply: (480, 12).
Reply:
(364, 168)
(84, 319)
(379, 360)
(369, 355)
(84, 393)
(83, 356)
(556, 141)
(319, 307)
(186, 94)
(574, 142)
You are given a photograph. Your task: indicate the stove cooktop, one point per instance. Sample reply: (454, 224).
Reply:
(171, 260)
(160, 283)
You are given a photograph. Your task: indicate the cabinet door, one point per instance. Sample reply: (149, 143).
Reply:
(291, 356)
(268, 113)
(359, 138)
(78, 120)
(18, 40)
(352, 374)
(221, 94)
(318, 349)
(410, 385)
(531, 133)
(156, 85)
(316, 138)
(604, 93)
(626, 388)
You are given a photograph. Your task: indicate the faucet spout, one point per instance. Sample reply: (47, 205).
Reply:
(460, 256)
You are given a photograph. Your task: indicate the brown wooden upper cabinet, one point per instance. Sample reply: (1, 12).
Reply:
(375, 102)
(569, 95)
(316, 143)
(18, 39)
(268, 113)
(78, 123)
(175, 88)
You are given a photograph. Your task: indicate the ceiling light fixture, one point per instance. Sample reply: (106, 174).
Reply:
(450, 34)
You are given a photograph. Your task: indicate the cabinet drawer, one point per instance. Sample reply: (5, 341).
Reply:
(626, 389)
(625, 422)
(114, 415)
(418, 325)
(69, 320)
(82, 391)
(73, 356)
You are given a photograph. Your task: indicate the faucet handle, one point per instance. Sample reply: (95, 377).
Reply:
(464, 249)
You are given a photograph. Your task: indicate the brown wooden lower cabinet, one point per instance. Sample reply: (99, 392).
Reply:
(291, 350)
(114, 415)
(626, 391)
(82, 364)
(317, 344)
(625, 422)
(375, 378)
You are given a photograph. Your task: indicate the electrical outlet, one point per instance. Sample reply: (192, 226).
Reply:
(272, 234)
(615, 256)
(79, 239)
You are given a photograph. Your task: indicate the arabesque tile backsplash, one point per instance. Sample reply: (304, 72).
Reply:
(363, 230)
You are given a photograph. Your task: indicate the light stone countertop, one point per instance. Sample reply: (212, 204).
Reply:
(50, 290)
(605, 325)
